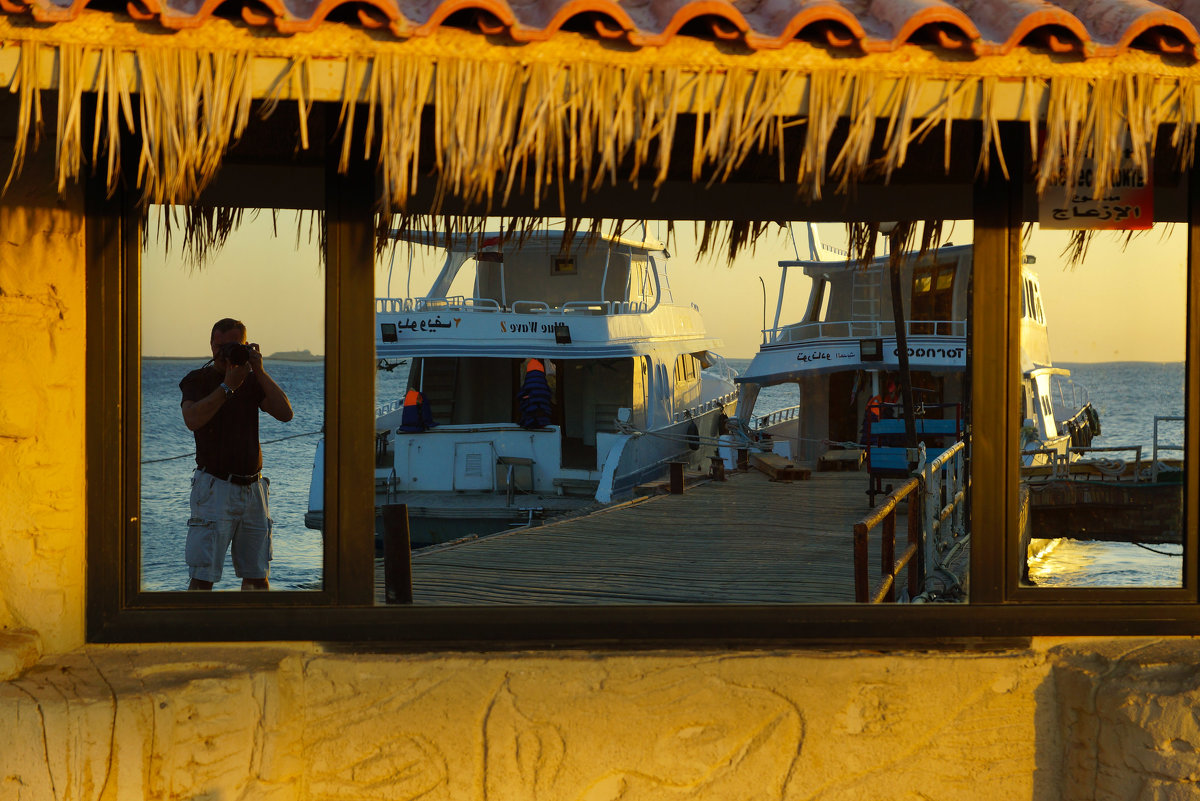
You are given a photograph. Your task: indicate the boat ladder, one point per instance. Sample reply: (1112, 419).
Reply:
(865, 298)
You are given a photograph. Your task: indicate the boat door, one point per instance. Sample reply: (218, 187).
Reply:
(590, 395)
(578, 433)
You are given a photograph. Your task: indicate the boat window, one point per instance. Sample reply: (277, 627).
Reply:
(1102, 472)
(932, 297)
(227, 504)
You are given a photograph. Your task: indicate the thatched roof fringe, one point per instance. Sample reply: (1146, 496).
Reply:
(507, 126)
(29, 117)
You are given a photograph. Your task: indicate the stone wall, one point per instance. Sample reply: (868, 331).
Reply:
(229, 722)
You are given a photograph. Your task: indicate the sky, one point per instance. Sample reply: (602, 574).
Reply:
(1120, 305)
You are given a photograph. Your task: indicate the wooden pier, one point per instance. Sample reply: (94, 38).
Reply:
(745, 540)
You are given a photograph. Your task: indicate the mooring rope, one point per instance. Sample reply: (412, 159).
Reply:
(268, 442)
(1152, 550)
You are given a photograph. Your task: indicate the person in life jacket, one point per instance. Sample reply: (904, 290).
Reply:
(416, 415)
(533, 401)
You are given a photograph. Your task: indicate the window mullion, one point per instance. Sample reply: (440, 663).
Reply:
(350, 381)
(994, 363)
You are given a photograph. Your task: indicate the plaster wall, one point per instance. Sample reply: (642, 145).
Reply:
(1108, 719)
(42, 466)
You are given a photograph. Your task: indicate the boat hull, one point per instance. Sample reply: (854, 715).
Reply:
(635, 458)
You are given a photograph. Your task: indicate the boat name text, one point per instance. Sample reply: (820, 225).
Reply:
(929, 353)
(529, 328)
(426, 325)
(823, 355)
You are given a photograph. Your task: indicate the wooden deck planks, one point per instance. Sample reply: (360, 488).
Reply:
(746, 540)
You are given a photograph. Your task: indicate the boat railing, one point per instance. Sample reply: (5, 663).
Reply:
(388, 408)
(1074, 463)
(456, 303)
(597, 307)
(860, 329)
(1162, 446)
(452, 303)
(491, 305)
(702, 408)
(1071, 397)
(779, 416)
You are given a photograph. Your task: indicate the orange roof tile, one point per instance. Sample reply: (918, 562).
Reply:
(1088, 28)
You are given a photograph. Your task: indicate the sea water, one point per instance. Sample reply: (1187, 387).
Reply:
(1127, 394)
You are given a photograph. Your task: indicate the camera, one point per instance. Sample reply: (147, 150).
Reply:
(235, 353)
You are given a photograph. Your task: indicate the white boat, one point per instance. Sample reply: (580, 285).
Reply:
(634, 381)
(844, 357)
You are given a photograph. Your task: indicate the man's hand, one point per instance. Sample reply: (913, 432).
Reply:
(234, 376)
(275, 402)
(255, 357)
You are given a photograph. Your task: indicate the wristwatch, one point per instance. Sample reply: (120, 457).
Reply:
(228, 390)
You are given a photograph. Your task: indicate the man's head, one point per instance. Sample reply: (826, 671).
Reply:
(224, 332)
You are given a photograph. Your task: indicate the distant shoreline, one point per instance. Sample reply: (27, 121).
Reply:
(284, 356)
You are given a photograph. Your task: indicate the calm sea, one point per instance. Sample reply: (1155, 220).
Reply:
(1127, 395)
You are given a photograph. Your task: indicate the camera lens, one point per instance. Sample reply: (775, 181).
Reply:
(236, 353)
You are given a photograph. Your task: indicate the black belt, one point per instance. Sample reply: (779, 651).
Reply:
(233, 478)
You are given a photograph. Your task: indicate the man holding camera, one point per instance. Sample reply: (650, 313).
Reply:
(229, 493)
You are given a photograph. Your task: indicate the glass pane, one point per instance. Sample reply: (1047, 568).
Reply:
(1102, 434)
(533, 421)
(195, 523)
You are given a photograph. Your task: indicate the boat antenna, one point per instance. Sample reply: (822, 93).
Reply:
(795, 249)
(408, 283)
(764, 291)
(814, 243)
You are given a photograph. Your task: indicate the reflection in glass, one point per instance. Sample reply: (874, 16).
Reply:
(539, 401)
(1102, 430)
(276, 291)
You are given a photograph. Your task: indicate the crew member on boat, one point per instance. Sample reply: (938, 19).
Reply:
(220, 405)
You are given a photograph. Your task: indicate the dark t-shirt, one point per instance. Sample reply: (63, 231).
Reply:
(228, 443)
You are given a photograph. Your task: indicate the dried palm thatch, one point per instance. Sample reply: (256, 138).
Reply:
(503, 120)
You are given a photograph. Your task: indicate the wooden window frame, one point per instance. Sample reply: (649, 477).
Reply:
(1000, 609)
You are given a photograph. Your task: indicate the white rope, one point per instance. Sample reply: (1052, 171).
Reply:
(267, 442)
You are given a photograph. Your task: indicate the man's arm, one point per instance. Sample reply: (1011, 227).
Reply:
(197, 413)
(275, 401)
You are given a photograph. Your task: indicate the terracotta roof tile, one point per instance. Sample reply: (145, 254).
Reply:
(1089, 28)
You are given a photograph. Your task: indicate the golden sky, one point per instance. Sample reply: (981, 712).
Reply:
(1118, 306)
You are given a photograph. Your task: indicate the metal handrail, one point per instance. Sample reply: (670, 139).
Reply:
(779, 416)
(490, 305)
(1158, 447)
(859, 329)
(944, 529)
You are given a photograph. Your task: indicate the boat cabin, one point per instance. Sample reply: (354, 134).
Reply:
(843, 352)
(620, 371)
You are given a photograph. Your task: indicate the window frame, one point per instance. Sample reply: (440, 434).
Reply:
(999, 609)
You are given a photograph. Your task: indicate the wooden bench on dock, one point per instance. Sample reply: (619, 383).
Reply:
(778, 468)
